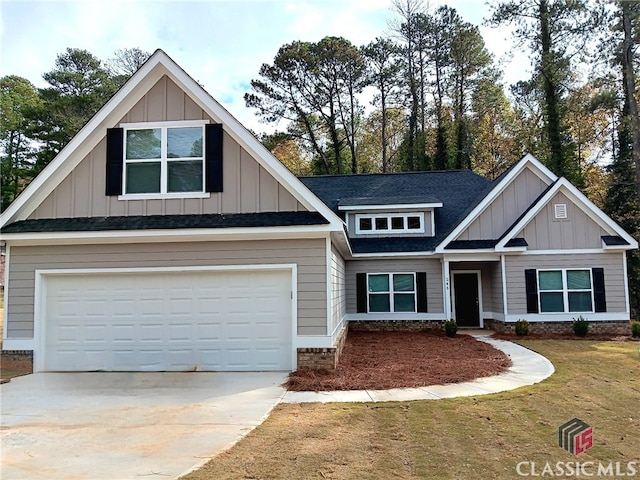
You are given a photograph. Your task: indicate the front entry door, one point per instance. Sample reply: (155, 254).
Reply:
(466, 299)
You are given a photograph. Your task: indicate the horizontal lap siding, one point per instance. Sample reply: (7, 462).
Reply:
(309, 255)
(432, 267)
(338, 288)
(613, 276)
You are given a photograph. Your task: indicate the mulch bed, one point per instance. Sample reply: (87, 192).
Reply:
(383, 360)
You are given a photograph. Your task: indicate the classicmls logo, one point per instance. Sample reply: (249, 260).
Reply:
(575, 436)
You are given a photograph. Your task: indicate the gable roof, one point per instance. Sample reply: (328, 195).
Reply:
(498, 186)
(158, 65)
(582, 202)
(455, 190)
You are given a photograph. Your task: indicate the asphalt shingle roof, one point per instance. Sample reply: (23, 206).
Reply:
(162, 222)
(458, 190)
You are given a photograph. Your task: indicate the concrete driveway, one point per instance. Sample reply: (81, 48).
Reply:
(118, 426)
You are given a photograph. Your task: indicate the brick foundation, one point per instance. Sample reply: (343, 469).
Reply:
(621, 327)
(395, 325)
(17, 360)
(322, 358)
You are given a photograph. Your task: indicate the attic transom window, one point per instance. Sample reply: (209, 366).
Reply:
(390, 223)
(164, 158)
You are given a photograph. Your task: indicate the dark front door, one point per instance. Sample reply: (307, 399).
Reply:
(467, 301)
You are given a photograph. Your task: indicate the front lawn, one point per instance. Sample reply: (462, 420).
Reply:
(482, 437)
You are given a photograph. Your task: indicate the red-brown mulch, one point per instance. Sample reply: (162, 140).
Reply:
(383, 360)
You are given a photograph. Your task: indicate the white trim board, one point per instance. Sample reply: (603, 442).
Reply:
(580, 201)
(528, 160)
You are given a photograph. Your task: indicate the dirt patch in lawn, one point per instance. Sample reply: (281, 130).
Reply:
(383, 360)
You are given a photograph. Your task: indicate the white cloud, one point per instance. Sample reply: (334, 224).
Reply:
(220, 43)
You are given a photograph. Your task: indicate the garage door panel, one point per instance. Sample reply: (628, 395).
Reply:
(169, 321)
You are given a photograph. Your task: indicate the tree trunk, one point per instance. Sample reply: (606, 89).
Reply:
(552, 109)
(630, 86)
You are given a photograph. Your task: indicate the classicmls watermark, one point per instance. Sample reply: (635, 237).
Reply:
(576, 437)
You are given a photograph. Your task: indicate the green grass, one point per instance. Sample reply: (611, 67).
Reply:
(480, 437)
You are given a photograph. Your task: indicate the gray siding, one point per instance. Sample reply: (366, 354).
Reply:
(506, 207)
(613, 276)
(309, 255)
(578, 230)
(248, 188)
(433, 267)
(491, 280)
(338, 288)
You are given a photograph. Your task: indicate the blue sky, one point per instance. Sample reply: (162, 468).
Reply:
(220, 43)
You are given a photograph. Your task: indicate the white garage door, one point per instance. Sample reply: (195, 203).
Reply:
(169, 321)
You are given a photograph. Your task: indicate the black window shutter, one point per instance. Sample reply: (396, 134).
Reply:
(531, 283)
(115, 161)
(361, 292)
(421, 285)
(599, 294)
(213, 157)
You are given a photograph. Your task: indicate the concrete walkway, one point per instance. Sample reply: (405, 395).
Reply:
(527, 368)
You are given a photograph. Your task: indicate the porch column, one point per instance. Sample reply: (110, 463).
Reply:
(503, 274)
(446, 288)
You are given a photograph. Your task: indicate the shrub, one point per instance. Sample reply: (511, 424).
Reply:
(522, 328)
(635, 329)
(450, 328)
(580, 326)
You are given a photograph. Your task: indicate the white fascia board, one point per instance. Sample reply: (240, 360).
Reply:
(167, 235)
(250, 143)
(537, 167)
(84, 141)
(393, 255)
(580, 201)
(397, 206)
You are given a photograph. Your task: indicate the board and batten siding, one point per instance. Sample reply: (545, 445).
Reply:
(433, 268)
(505, 209)
(248, 188)
(577, 231)
(338, 288)
(613, 276)
(308, 254)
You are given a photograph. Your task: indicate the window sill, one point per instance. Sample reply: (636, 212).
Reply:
(163, 196)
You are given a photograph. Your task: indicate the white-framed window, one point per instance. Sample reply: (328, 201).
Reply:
(565, 291)
(164, 159)
(389, 223)
(391, 292)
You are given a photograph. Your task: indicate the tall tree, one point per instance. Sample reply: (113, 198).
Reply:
(314, 85)
(383, 71)
(469, 59)
(18, 100)
(629, 15)
(493, 129)
(556, 31)
(80, 85)
(410, 35)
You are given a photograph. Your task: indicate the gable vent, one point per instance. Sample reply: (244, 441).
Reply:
(560, 211)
